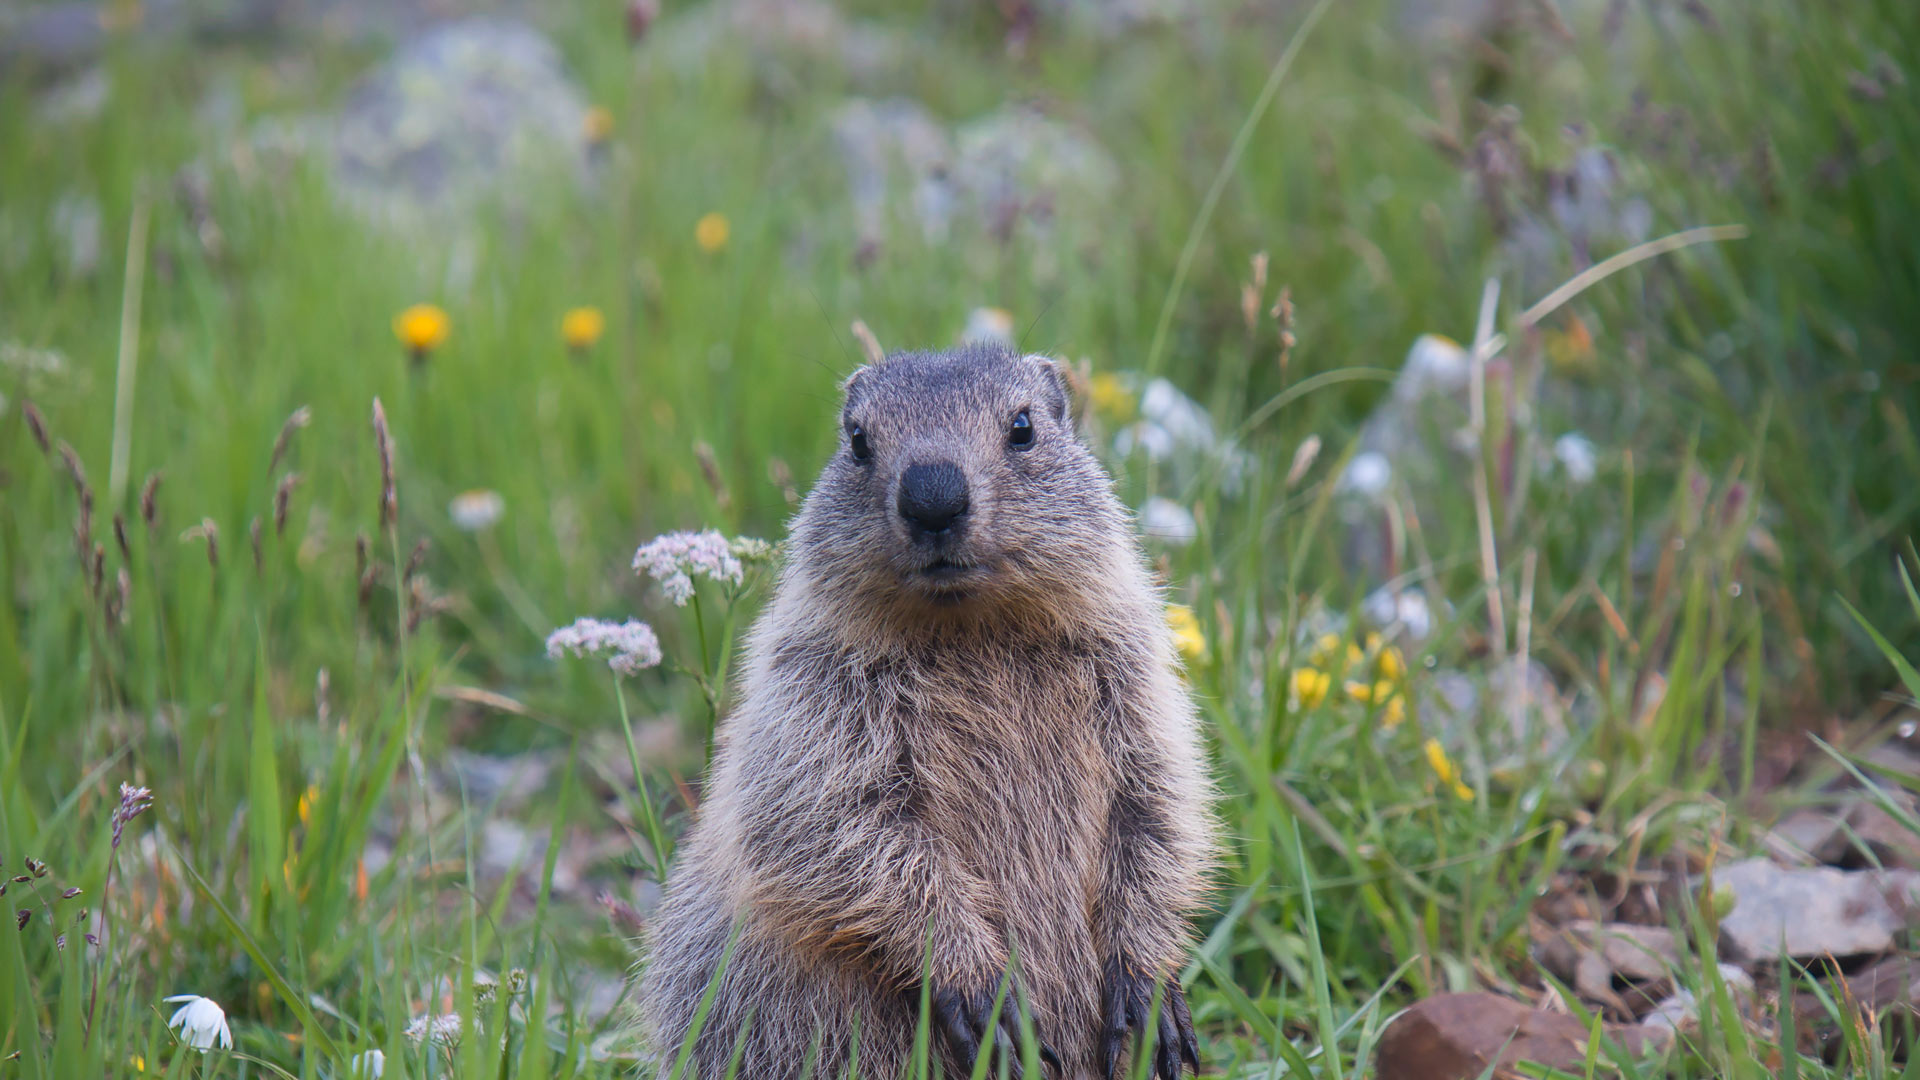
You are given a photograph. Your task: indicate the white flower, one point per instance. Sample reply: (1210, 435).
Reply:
(201, 1023)
(988, 326)
(475, 510)
(1576, 454)
(1367, 475)
(1166, 520)
(632, 643)
(673, 559)
(367, 1066)
(442, 1030)
(1406, 611)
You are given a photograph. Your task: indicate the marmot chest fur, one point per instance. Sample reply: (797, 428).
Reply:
(962, 758)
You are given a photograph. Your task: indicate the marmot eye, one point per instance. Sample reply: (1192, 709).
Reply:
(1021, 436)
(857, 439)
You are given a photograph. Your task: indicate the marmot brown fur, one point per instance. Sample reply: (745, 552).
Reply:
(961, 738)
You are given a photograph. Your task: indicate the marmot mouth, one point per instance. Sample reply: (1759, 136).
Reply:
(946, 569)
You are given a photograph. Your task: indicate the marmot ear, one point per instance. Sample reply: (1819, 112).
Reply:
(852, 381)
(1056, 373)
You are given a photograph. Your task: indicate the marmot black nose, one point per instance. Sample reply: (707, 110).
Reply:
(932, 496)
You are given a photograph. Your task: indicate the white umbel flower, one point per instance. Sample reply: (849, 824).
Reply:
(475, 510)
(201, 1023)
(673, 559)
(1578, 456)
(444, 1029)
(1167, 521)
(632, 644)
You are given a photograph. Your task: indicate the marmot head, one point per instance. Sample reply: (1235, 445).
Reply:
(959, 487)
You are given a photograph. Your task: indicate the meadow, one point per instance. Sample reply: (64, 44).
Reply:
(292, 496)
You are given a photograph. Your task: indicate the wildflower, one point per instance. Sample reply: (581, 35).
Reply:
(711, 232)
(597, 124)
(1384, 695)
(988, 326)
(674, 558)
(1386, 659)
(1444, 771)
(201, 1023)
(367, 1066)
(134, 801)
(1367, 475)
(304, 808)
(1166, 520)
(632, 644)
(1111, 396)
(581, 328)
(473, 511)
(1576, 454)
(1187, 637)
(422, 328)
(442, 1030)
(751, 549)
(1310, 686)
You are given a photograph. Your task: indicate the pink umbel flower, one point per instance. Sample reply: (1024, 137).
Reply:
(631, 644)
(674, 558)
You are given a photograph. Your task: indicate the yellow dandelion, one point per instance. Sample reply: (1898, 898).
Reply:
(581, 328)
(597, 124)
(1310, 686)
(422, 328)
(711, 232)
(1111, 396)
(1186, 632)
(1444, 771)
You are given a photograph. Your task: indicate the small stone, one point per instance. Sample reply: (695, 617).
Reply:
(1681, 1012)
(1893, 981)
(1807, 913)
(1462, 1036)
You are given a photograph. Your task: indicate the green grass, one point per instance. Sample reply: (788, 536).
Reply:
(1768, 380)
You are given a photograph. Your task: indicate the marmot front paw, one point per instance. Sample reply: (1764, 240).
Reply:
(1128, 999)
(962, 1017)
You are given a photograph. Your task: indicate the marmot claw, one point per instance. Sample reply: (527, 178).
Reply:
(962, 1018)
(1128, 997)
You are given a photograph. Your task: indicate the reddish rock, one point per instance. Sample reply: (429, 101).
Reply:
(1458, 1036)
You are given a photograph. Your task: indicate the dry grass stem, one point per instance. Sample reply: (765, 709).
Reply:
(710, 469)
(869, 345)
(127, 364)
(1482, 501)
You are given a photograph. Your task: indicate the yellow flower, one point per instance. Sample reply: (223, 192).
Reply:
(304, 808)
(581, 328)
(1445, 772)
(1387, 661)
(1186, 632)
(139, 1063)
(1393, 707)
(422, 328)
(1111, 396)
(1310, 686)
(597, 125)
(711, 232)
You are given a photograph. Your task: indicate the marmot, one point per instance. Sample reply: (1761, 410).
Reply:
(961, 738)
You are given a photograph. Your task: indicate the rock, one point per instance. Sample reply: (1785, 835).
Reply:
(1893, 981)
(499, 783)
(468, 112)
(76, 100)
(787, 45)
(1634, 952)
(1008, 175)
(1807, 913)
(1593, 955)
(1464, 1036)
(1859, 830)
(1681, 1012)
(895, 149)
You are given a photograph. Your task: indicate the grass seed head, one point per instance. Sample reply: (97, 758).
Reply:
(120, 537)
(253, 538)
(300, 418)
(149, 504)
(282, 494)
(383, 440)
(37, 425)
